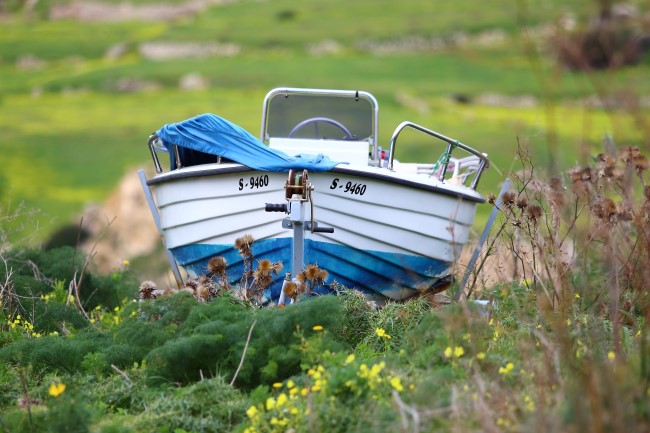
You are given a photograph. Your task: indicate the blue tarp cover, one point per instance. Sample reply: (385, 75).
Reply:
(214, 135)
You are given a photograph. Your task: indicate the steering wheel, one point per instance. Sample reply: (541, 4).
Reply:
(316, 120)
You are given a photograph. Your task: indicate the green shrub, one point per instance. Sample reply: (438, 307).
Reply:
(356, 320)
(66, 413)
(215, 338)
(87, 350)
(148, 325)
(207, 406)
(36, 271)
(52, 317)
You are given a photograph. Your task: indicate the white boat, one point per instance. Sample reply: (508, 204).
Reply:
(391, 230)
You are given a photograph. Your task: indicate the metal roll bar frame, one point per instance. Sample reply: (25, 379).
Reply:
(451, 144)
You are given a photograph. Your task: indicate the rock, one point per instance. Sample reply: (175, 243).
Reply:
(121, 228)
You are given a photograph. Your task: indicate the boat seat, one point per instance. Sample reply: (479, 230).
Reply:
(355, 152)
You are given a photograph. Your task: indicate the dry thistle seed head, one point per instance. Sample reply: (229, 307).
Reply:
(170, 291)
(301, 277)
(289, 288)
(146, 289)
(624, 211)
(605, 165)
(629, 154)
(522, 202)
(508, 198)
(301, 287)
(556, 191)
(147, 286)
(581, 180)
(191, 285)
(322, 274)
(605, 159)
(641, 163)
(277, 267)
(617, 174)
(534, 212)
(311, 272)
(264, 266)
(625, 154)
(604, 208)
(261, 279)
(491, 198)
(203, 293)
(263, 282)
(217, 265)
(556, 183)
(244, 242)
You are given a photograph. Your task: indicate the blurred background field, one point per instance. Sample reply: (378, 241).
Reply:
(83, 84)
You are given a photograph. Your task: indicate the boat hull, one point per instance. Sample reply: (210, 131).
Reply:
(395, 236)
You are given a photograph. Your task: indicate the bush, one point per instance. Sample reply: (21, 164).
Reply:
(215, 336)
(207, 406)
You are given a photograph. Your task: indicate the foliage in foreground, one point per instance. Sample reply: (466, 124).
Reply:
(562, 344)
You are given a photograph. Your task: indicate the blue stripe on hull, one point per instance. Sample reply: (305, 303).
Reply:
(396, 276)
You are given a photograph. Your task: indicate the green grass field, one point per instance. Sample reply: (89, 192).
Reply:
(68, 133)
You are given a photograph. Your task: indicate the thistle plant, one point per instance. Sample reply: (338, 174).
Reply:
(263, 277)
(582, 237)
(244, 245)
(311, 278)
(217, 268)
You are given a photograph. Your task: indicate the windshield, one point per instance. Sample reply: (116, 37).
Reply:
(325, 114)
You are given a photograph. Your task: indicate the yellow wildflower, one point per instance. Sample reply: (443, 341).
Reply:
(349, 360)
(611, 356)
(277, 385)
(279, 421)
(317, 328)
(396, 383)
(382, 333)
(252, 412)
(480, 355)
(57, 389)
(448, 352)
(270, 403)
(459, 351)
(507, 369)
(282, 399)
(377, 368)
